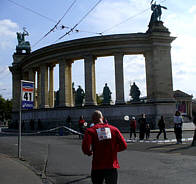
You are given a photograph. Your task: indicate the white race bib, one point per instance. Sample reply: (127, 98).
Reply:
(104, 133)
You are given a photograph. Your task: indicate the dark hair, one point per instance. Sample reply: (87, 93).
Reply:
(177, 113)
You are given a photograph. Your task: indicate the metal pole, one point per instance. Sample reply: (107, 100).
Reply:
(19, 128)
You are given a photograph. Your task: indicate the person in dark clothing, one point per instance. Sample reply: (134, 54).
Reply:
(161, 125)
(147, 131)
(142, 123)
(194, 136)
(133, 127)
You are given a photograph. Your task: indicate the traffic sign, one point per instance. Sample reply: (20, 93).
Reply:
(27, 90)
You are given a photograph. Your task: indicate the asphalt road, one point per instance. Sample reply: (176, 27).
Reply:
(63, 162)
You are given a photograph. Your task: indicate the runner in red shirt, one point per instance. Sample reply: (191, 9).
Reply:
(103, 141)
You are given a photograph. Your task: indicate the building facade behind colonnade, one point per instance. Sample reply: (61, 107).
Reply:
(38, 66)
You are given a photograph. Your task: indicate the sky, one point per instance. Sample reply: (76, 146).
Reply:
(108, 17)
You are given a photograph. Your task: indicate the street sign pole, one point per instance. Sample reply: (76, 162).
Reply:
(20, 123)
(26, 102)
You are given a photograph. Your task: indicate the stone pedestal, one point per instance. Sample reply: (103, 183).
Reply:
(158, 64)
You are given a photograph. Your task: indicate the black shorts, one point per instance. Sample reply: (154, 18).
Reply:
(109, 175)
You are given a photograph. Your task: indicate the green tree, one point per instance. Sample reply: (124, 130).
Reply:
(5, 109)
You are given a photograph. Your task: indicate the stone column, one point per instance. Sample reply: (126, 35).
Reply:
(149, 75)
(16, 87)
(51, 85)
(119, 78)
(90, 82)
(191, 109)
(32, 78)
(25, 75)
(38, 88)
(65, 83)
(44, 86)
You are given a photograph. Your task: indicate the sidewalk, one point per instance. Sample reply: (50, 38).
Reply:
(186, 127)
(12, 171)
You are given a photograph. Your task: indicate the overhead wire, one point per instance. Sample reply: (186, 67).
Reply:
(46, 17)
(57, 23)
(35, 12)
(72, 29)
(129, 18)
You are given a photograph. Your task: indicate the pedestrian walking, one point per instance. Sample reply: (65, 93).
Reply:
(178, 121)
(161, 125)
(133, 127)
(103, 142)
(81, 126)
(142, 124)
(194, 136)
(147, 131)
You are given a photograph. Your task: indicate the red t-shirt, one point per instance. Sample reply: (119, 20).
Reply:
(103, 141)
(81, 122)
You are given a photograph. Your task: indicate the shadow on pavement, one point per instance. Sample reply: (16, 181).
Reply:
(186, 147)
(73, 178)
(159, 146)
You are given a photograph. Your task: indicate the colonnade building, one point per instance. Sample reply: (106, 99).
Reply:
(38, 66)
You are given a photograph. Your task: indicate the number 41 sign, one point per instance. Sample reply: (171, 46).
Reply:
(27, 90)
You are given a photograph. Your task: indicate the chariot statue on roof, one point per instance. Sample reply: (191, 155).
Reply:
(156, 12)
(22, 44)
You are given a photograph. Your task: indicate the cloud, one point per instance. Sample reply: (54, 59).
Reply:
(192, 9)
(4, 70)
(182, 26)
(110, 13)
(8, 31)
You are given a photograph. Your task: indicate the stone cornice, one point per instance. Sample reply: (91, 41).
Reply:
(136, 43)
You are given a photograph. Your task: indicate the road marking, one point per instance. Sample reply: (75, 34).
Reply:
(158, 141)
